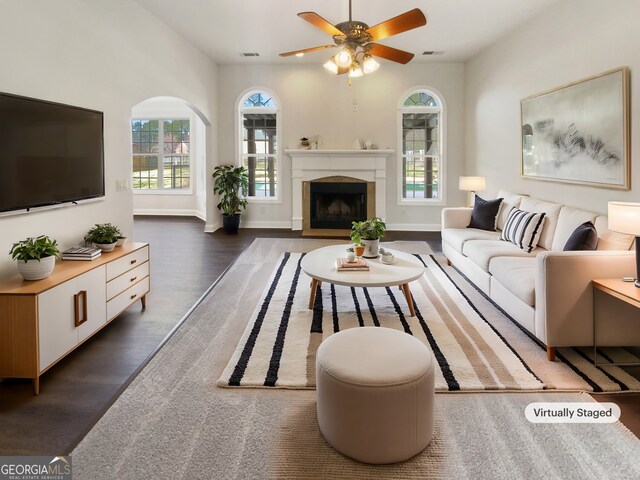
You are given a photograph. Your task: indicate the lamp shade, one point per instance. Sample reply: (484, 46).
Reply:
(472, 184)
(624, 217)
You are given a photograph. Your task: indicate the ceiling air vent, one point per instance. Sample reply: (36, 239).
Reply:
(250, 54)
(432, 52)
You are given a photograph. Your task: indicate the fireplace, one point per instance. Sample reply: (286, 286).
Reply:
(330, 204)
(336, 205)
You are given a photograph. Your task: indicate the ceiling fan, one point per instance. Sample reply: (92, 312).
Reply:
(356, 41)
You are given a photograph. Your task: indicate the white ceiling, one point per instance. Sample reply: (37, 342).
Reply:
(223, 29)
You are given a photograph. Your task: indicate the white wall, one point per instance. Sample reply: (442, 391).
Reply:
(315, 102)
(190, 202)
(568, 42)
(103, 55)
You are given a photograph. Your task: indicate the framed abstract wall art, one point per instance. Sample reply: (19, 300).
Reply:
(579, 133)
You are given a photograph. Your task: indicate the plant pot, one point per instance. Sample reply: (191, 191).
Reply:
(35, 270)
(121, 241)
(106, 247)
(371, 248)
(358, 250)
(231, 223)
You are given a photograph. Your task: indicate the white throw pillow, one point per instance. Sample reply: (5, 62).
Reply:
(523, 229)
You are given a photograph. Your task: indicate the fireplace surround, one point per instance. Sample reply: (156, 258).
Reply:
(357, 166)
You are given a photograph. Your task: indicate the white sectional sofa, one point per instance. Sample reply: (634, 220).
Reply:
(547, 291)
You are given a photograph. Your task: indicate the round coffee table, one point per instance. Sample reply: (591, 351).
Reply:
(320, 265)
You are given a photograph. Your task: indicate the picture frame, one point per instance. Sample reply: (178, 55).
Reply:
(579, 133)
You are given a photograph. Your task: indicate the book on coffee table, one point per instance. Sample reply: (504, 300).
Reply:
(359, 264)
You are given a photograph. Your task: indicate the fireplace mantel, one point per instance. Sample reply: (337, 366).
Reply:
(307, 165)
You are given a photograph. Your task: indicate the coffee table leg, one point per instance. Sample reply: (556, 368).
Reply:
(407, 295)
(312, 295)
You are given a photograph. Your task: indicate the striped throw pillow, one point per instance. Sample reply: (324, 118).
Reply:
(523, 229)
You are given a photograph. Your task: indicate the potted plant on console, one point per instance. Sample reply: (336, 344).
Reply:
(104, 236)
(35, 257)
(231, 184)
(368, 233)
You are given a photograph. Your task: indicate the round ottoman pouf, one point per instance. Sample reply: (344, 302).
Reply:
(375, 394)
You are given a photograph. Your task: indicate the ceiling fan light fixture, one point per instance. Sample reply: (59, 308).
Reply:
(343, 58)
(300, 54)
(355, 70)
(331, 66)
(369, 64)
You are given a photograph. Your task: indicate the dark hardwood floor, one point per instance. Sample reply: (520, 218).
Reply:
(78, 390)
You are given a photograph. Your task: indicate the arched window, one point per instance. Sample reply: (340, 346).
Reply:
(421, 127)
(258, 143)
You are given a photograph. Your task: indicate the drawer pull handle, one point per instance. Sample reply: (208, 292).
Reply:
(133, 279)
(134, 296)
(80, 302)
(133, 261)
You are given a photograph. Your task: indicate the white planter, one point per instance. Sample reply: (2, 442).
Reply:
(121, 241)
(106, 247)
(36, 270)
(371, 248)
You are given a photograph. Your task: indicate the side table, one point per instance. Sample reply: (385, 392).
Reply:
(624, 291)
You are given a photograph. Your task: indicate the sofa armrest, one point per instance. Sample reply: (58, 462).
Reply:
(564, 295)
(456, 217)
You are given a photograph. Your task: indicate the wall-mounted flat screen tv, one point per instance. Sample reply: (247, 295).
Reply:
(49, 153)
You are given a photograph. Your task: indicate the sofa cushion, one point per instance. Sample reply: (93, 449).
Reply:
(456, 237)
(517, 275)
(568, 220)
(551, 211)
(482, 251)
(610, 240)
(523, 229)
(484, 214)
(509, 201)
(584, 237)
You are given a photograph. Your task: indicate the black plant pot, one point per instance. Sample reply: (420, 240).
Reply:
(231, 223)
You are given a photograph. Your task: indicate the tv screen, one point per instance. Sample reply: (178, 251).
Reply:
(49, 153)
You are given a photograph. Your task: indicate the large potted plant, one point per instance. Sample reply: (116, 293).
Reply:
(104, 236)
(368, 233)
(35, 257)
(231, 184)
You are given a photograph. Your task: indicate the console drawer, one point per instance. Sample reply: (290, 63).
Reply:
(124, 281)
(126, 263)
(131, 295)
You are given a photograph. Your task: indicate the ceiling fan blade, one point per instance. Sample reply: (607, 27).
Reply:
(390, 53)
(317, 21)
(407, 21)
(307, 50)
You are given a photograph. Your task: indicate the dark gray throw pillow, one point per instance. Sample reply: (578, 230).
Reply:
(584, 237)
(484, 214)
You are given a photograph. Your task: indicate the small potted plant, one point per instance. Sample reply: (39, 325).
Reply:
(351, 257)
(368, 233)
(231, 184)
(104, 236)
(35, 257)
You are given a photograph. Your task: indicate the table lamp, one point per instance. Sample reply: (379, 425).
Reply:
(472, 185)
(624, 217)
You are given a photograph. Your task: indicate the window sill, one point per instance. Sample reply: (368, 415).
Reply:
(421, 202)
(162, 192)
(274, 200)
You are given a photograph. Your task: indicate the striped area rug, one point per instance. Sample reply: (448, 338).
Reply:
(476, 346)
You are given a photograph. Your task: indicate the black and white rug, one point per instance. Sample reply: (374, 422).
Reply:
(476, 346)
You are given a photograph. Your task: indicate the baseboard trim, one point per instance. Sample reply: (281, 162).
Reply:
(171, 212)
(264, 224)
(414, 227)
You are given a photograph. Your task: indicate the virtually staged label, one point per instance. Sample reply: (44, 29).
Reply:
(572, 412)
